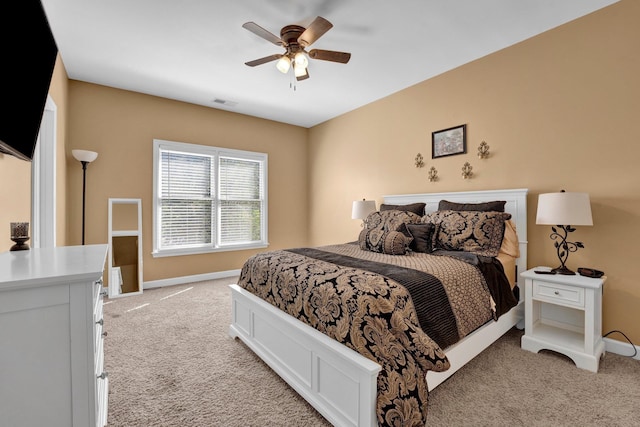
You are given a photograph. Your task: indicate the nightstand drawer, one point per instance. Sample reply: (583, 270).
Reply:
(558, 294)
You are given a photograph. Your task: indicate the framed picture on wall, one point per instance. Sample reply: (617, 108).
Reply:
(448, 142)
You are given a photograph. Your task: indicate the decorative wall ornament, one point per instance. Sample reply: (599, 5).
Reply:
(467, 171)
(433, 174)
(419, 161)
(483, 150)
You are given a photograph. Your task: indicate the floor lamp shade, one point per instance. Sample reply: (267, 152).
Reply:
(84, 157)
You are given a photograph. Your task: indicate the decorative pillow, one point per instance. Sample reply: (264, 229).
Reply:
(386, 232)
(417, 208)
(386, 242)
(470, 231)
(422, 235)
(495, 206)
(390, 220)
(510, 243)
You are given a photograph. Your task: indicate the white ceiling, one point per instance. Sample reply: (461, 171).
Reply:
(195, 50)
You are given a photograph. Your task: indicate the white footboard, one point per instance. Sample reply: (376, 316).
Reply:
(340, 383)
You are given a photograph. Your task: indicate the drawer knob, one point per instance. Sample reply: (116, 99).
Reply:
(556, 292)
(103, 375)
(100, 322)
(104, 334)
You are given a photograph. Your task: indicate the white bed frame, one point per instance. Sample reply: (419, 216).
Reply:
(337, 381)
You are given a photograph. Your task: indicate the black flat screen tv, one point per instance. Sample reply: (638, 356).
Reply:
(28, 54)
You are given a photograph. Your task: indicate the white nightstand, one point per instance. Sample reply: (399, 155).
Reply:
(564, 314)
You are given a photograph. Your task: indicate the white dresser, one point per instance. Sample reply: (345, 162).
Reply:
(51, 337)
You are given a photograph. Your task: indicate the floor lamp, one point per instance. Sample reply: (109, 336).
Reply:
(85, 157)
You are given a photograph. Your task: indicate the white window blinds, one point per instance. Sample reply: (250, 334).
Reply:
(240, 200)
(208, 199)
(186, 199)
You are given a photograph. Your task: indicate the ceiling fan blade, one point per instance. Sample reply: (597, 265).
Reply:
(263, 60)
(330, 55)
(261, 32)
(314, 31)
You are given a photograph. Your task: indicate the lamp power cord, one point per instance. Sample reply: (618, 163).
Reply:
(635, 350)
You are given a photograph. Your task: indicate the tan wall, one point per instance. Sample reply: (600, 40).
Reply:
(15, 174)
(121, 126)
(15, 196)
(558, 112)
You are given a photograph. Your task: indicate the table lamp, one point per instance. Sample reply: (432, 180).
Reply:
(559, 210)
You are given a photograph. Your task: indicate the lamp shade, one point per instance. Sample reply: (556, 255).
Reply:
(283, 64)
(299, 70)
(362, 208)
(564, 209)
(84, 155)
(301, 60)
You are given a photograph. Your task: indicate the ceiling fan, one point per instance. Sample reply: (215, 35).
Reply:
(295, 39)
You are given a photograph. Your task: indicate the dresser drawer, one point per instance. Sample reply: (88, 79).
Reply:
(102, 401)
(98, 292)
(99, 359)
(558, 294)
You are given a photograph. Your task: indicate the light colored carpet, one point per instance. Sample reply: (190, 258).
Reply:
(172, 363)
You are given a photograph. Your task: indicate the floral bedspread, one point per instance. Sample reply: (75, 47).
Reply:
(340, 291)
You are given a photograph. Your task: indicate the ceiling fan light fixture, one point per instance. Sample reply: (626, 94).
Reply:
(283, 64)
(294, 39)
(299, 70)
(301, 59)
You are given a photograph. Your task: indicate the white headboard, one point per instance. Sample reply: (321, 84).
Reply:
(516, 205)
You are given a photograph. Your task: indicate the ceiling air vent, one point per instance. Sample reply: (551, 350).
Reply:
(225, 102)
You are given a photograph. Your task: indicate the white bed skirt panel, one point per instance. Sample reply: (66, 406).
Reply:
(339, 382)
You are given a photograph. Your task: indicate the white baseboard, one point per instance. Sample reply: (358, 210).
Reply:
(621, 348)
(189, 279)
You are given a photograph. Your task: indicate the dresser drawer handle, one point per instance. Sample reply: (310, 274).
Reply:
(556, 292)
(104, 292)
(99, 282)
(104, 334)
(103, 375)
(100, 322)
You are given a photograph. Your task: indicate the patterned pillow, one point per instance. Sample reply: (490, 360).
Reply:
(390, 220)
(470, 231)
(386, 232)
(386, 242)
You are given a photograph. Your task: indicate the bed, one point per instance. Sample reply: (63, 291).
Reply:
(339, 368)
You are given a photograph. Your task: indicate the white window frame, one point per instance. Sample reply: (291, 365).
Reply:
(216, 152)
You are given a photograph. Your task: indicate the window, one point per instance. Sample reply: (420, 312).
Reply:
(207, 199)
